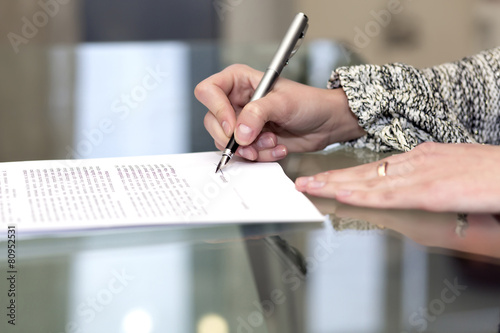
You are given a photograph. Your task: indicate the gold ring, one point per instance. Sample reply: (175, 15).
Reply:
(382, 169)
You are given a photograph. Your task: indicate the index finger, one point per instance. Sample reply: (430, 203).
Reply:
(222, 92)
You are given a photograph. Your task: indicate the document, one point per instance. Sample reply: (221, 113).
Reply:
(178, 189)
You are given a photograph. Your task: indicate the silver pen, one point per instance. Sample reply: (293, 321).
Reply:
(288, 47)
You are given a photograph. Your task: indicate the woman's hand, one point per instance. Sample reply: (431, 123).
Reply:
(292, 117)
(435, 177)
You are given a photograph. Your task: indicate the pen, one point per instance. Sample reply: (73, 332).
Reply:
(288, 47)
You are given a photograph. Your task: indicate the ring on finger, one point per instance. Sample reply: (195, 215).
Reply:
(382, 169)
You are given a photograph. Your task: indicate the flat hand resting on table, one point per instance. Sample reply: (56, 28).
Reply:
(433, 176)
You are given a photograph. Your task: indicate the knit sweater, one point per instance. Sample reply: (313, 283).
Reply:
(400, 106)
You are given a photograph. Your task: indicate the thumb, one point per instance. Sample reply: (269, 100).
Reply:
(254, 116)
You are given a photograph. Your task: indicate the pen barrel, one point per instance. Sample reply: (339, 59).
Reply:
(266, 84)
(231, 147)
(285, 51)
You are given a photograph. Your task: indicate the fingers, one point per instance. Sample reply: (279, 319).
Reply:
(268, 155)
(216, 131)
(382, 192)
(364, 186)
(251, 121)
(406, 197)
(397, 168)
(213, 93)
(223, 94)
(433, 177)
(360, 174)
(271, 155)
(275, 107)
(265, 149)
(410, 181)
(227, 93)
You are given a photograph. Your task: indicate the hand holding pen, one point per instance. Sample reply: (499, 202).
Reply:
(290, 44)
(292, 117)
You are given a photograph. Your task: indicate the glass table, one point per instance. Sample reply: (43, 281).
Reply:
(362, 270)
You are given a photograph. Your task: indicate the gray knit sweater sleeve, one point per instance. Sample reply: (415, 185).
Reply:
(400, 106)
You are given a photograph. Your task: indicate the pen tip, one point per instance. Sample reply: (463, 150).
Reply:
(223, 161)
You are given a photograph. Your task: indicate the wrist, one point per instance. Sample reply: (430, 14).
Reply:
(345, 125)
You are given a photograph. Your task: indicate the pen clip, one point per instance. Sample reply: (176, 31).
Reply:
(298, 43)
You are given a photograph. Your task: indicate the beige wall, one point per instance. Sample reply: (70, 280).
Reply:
(58, 22)
(250, 21)
(488, 19)
(28, 110)
(439, 30)
(418, 32)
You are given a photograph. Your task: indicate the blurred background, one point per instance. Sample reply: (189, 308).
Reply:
(72, 71)
(105, 78)
(421, 32)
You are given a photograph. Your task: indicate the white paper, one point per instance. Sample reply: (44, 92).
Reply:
(147, 190)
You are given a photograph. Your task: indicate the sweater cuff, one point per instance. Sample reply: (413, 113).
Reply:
(398, 107)
(369, 101)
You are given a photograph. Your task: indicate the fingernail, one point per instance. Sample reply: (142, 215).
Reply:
(226, 128)
(279, 152)
(244, 133)
(246, 153)
(265, 142)
(302, 181)
(316, 184)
